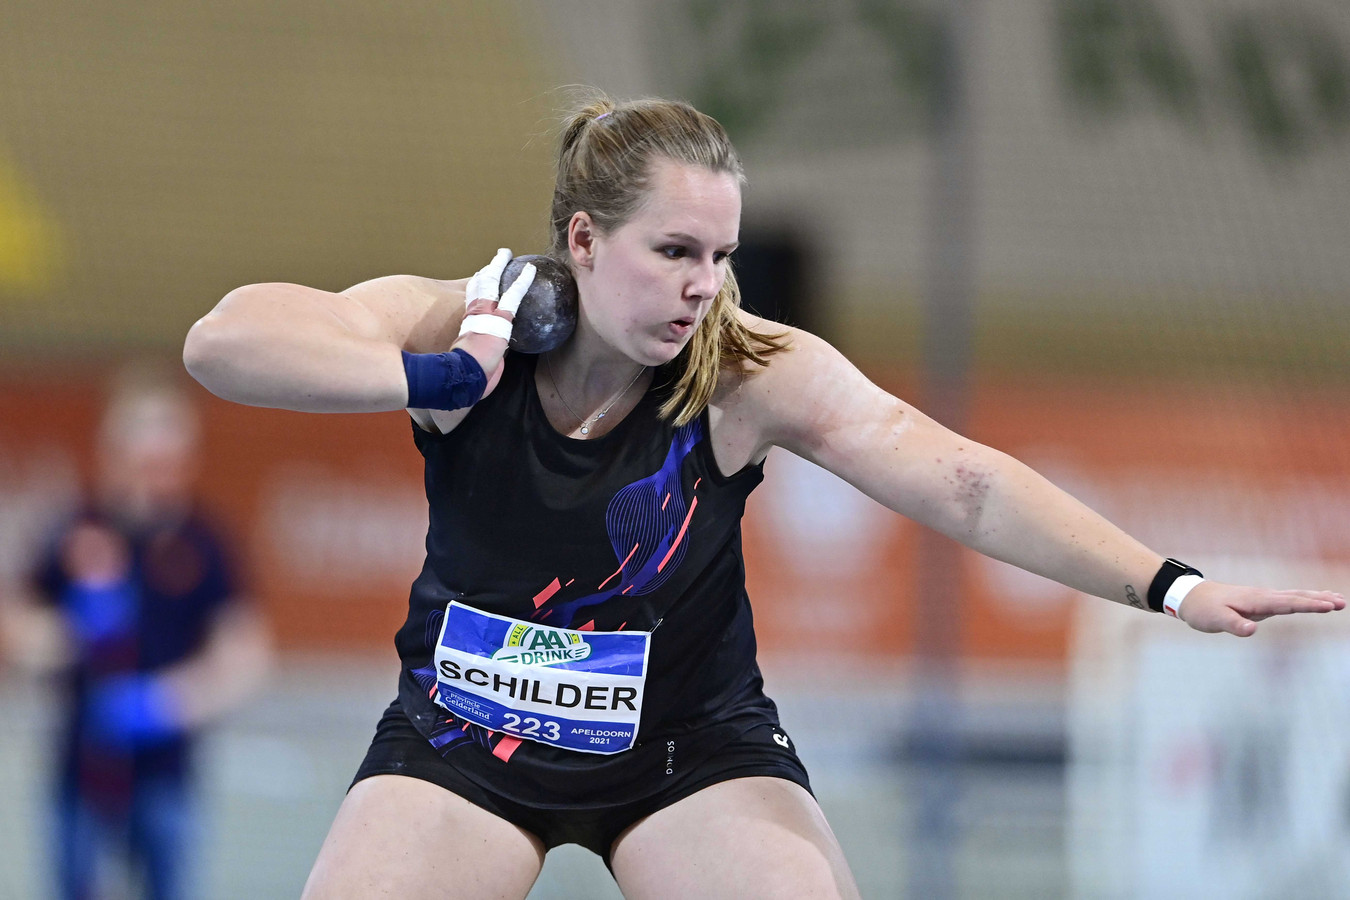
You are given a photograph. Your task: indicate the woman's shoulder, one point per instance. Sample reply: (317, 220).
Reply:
(792, 357)
(801, 391)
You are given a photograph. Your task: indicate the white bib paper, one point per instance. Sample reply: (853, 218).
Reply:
(580, 690)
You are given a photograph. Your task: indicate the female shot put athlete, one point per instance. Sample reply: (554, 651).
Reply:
(578, 662)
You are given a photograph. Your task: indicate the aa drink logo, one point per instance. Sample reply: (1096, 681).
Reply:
(540, 645)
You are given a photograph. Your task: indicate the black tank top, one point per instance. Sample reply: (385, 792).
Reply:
(636, 529)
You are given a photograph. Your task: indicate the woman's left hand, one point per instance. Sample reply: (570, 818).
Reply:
(1212, 606)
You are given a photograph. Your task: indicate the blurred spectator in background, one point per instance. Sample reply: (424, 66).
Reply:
(134, 605)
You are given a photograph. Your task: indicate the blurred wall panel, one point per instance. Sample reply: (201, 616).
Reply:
(155, 155)
(331, 512)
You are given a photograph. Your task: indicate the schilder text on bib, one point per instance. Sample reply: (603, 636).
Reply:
(580, 690)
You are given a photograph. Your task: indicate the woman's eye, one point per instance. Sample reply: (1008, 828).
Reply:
(721, 256)
(673, 252)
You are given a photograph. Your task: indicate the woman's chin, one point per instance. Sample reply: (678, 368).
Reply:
(663, 352)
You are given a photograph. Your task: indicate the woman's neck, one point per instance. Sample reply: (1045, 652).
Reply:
(587, 371)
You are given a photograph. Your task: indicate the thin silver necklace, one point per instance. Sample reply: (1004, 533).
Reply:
(587, 423)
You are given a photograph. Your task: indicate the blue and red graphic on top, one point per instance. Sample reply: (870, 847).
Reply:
(647, 522)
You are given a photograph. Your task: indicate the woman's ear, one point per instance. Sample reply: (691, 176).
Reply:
(581, 239)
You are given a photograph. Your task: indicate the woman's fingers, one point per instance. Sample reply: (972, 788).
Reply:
(481, 315)
(488, 317)
(510, 301)
(1283, 603)
(1236, 610)
(480, 294)
(485, 283)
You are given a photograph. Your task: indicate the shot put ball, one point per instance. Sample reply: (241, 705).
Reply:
(548, 313)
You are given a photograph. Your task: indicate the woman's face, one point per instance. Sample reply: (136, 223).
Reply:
(648, 284)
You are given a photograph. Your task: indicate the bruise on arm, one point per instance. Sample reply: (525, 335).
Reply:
(969, 481)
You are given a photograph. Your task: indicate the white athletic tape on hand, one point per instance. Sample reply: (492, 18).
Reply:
(492, 275)
(471, 289)
(510, 301)
(486, 323)
(1177, 592)
(485, 283)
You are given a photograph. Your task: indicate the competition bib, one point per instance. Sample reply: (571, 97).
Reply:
(580, 690)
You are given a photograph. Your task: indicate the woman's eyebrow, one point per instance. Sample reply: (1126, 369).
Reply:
(689, 238)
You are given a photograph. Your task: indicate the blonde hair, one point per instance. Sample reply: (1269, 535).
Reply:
(604, 167)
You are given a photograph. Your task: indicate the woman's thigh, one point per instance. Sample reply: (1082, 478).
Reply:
(744, 838)
(396, 836)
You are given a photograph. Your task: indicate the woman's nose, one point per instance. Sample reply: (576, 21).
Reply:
(704, 282)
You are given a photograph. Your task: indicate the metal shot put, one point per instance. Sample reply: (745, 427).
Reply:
(548, 312)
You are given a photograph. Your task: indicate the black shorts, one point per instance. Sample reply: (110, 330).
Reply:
(399, 749)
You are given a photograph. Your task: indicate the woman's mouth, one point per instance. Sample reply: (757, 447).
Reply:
(681, 327)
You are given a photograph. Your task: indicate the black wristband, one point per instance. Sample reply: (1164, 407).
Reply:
(451, 380)
(1171, 570)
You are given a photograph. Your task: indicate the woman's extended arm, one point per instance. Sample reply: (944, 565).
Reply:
(814, 403)
(295, 347)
